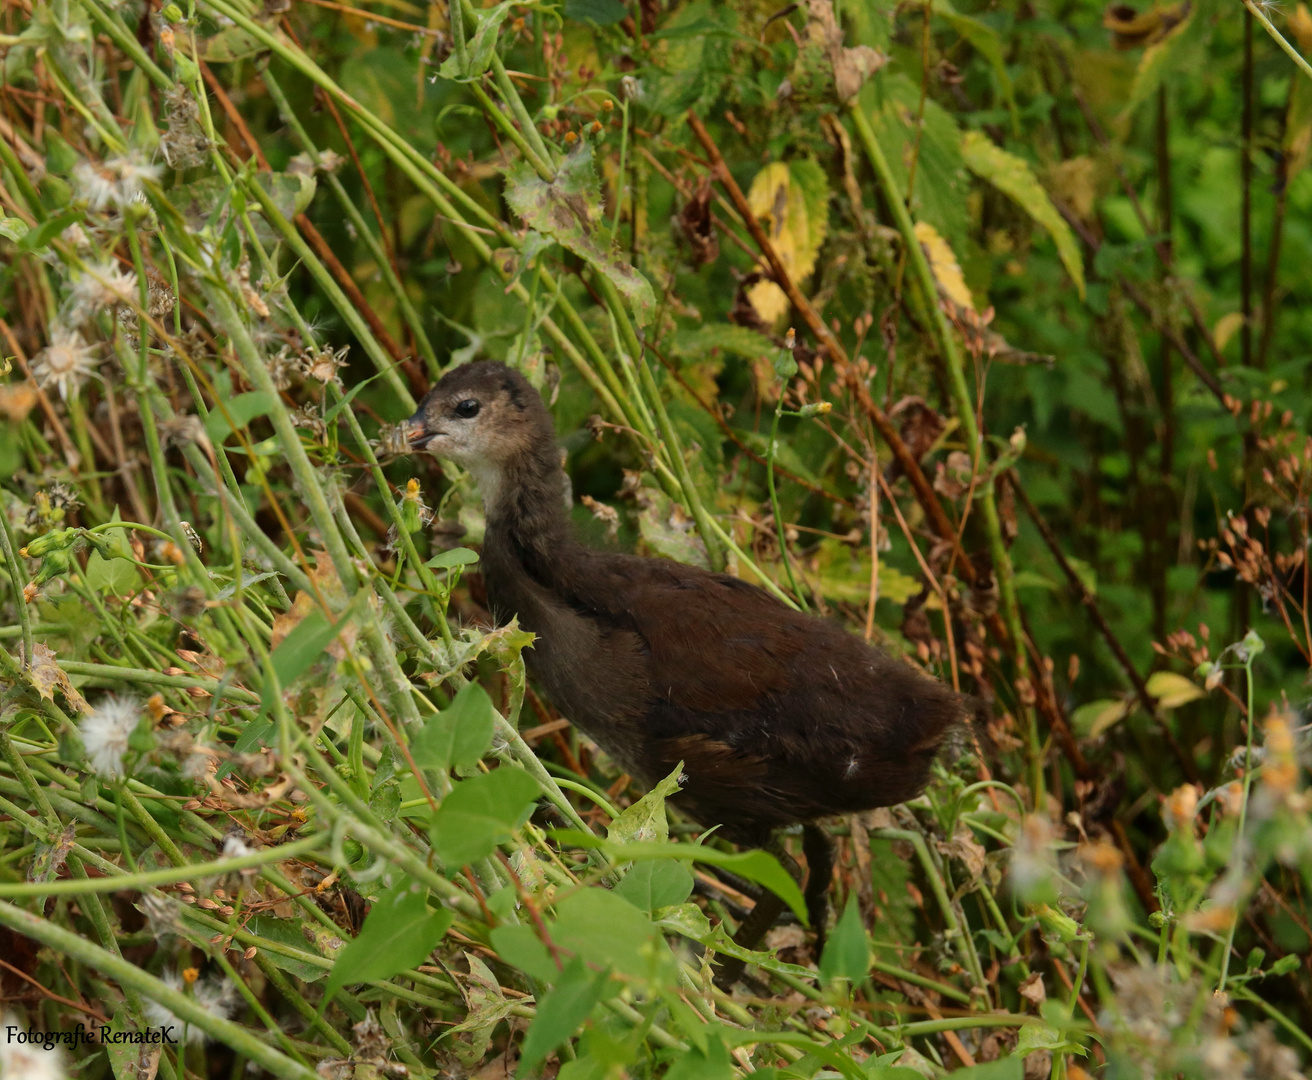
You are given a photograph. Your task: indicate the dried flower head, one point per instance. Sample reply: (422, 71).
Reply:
(309, 417)
(282, 366)
(116, 181)
(323, 365)
(106, 731)
(393, 440)
(51, 506)
(183, 144)
(66, 362)
(103, 285)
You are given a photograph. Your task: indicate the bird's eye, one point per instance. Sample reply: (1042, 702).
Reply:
(467, 409)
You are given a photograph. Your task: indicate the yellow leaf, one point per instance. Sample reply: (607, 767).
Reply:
(943, 262)
(1226, 326)
(1172, 690)
(1091, 720)
(791, 202)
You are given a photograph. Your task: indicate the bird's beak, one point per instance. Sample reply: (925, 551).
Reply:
(419, 436)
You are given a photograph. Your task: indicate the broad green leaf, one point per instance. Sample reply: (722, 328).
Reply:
(758, 866)
(129, 1061)
(1014, 178)
(307, 642)
(847, 952)
(460, 556)
(286, 932)
(481, 812)
(645, 819)
(561, 1012)
(655, 883)
(1172, 690)
(669, 532)
(569, 210)
(117, 575)
(791, 201)
(679, 918)
(237, 413)
(398, 935)
(1009, 1069)
(713, 1064)
(459, 735)
(605, 930)
(520, 947)
(601, 12)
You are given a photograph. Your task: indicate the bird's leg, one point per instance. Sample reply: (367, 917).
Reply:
(759, 920)
(819, 852)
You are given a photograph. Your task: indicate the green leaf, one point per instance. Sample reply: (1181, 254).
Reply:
(1014, 178)
(459, 735)
(847, 953)
(520, 947)
(461, 556)
(481, 812)
(307, 642)
(987, 42)
(39, 237)
(655, 883)
(560, 1013)
(12, 228)
(599, 12)
(714, 1064)
(1009, 1069)
(117, 575)
(1092, 719)
(604, 929)
(286, 932)
(569, 210)
(645, 819)
(129, 1061)
(479, 50)
(233, 43)
(237, 413)
(398, 935)
(686, 919)
(1154, 65)
(758, 866)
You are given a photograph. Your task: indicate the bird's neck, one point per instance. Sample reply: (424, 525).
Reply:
(525, 510)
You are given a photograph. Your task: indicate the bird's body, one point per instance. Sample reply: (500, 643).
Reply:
(778, 717)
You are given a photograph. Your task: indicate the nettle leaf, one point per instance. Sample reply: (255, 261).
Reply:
(481, 812)
(791, 201)
(1015, 179)
(847, 952)
(645, 819)
(398, 935)
(561, 1012)
(569, 210)
(459, 735)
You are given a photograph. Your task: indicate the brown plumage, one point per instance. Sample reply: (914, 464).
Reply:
(779, 717)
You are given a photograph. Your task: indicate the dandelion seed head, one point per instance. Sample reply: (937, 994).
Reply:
(25, 1061)
(215, 996)
(66, 362)
(117, 181)
(105, 732)
(234, 847)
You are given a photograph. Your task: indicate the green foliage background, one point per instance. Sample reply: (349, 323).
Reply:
(1046, 268)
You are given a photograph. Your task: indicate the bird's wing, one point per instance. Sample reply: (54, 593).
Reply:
(713, 643)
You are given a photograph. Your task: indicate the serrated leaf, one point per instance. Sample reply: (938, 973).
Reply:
(569, 210)
(1172, 690)
(397, 935)
(791, 201)
(459, 735)
(645, 819)
(1014, 178)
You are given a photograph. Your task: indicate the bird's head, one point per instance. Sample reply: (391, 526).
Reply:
(484, 417)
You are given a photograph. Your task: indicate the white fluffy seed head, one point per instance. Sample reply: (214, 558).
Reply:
(28, 1061)
(215, 996)
(65, 362)
(105, 732)
(103, 285)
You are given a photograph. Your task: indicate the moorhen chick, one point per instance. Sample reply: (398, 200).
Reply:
(778, 717)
